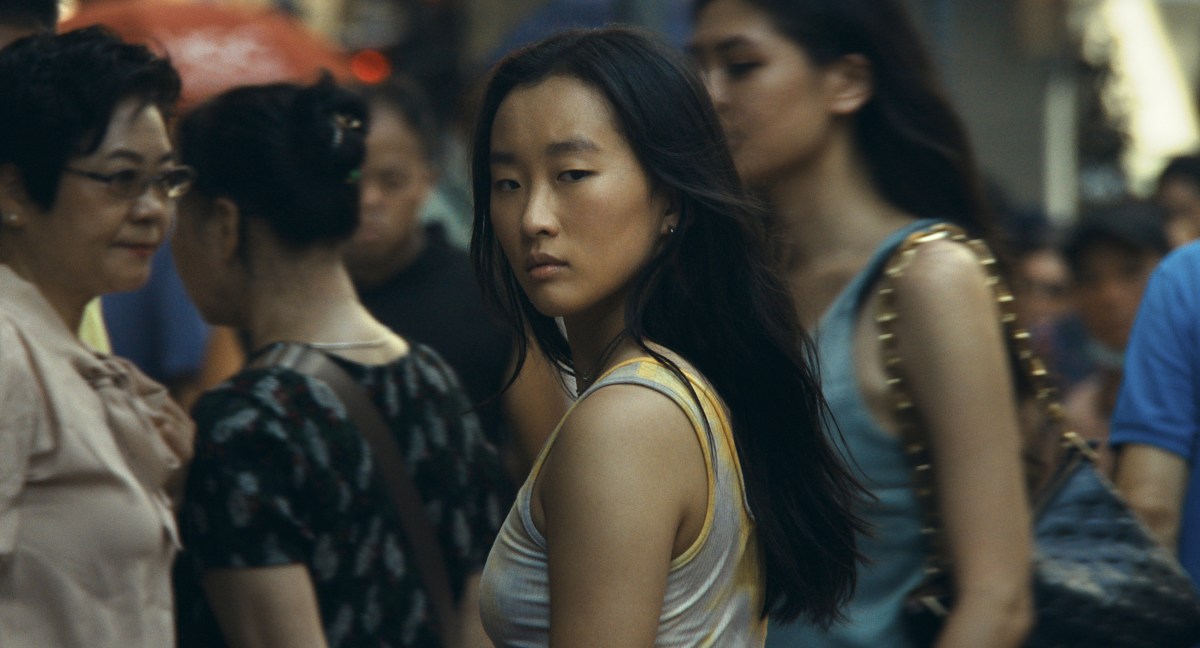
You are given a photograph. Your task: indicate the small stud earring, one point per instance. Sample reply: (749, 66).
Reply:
(670, 229)
(12, 217)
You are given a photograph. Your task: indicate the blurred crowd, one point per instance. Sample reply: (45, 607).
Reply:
(772, 249)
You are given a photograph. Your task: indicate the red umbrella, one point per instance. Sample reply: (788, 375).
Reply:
(216, 47)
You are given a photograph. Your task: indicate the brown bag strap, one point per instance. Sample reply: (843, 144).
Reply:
(389, 463)
(912, 431)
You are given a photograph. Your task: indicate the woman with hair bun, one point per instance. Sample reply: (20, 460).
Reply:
(291, 533)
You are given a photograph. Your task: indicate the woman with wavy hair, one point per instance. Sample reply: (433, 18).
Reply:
(691, 490)
(833, 113)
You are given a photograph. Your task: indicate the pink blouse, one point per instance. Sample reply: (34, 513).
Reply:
(88, 449)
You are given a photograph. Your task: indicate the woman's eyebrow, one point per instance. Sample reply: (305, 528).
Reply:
(134, 156)
(570, 145)
(575, 144)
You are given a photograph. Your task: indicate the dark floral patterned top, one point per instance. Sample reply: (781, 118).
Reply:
(281, 476)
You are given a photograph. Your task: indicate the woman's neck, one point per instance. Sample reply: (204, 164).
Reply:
(831, 208)
(597, 343)
(307, 298)
(66, 303)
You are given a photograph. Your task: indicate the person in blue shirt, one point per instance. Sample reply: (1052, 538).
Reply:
(1156, 423)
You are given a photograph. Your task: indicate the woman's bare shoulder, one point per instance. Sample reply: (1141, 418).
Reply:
(942, 263)
(624, 418)
(940, 276)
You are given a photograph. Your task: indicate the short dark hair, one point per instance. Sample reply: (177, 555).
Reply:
(1025, 232)
(284, 153)
(58, 93)
(405, 97)
(710, 294)
(37, 15)
(1135, 226)
(1182, 167)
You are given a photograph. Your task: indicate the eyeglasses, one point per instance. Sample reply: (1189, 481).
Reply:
(130, 184)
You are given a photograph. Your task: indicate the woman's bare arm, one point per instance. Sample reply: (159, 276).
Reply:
(265, 607)
(622, 492)
(957, 369)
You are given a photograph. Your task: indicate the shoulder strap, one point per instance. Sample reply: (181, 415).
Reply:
(860, 287)
(390, 464)
(650, 373)
(912, 433)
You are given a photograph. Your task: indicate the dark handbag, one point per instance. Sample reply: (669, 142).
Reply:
(1100, 578)
(386, 453)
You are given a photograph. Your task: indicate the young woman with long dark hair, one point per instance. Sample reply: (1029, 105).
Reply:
(833, 113)
(691, 490)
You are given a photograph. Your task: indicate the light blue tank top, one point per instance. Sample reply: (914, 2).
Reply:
(895, 550)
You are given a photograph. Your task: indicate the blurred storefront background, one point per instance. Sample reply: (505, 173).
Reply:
(1070, 102)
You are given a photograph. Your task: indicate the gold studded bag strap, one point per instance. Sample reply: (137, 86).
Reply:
(912, 431)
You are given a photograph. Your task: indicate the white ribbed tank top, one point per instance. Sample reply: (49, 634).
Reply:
(714, 589)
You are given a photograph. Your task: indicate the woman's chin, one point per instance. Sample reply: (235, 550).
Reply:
(548, 311)
(547, 307)
(127, 281)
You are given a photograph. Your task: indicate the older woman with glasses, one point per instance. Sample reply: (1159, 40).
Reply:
(90, 449)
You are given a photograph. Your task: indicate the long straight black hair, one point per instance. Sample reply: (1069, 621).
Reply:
(710, 294)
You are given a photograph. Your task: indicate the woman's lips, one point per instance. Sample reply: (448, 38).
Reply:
(542, 266)
(140, 250)
(546, 270)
